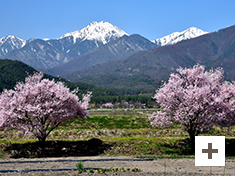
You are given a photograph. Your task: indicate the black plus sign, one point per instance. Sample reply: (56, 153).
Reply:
(209, 150)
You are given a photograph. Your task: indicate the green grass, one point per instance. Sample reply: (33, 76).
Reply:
(141, 145)
(80, 166)
(110, 119)
(105, 170)
(129, 132)
(110, 122)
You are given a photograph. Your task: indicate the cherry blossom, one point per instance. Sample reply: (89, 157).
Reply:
(193, 98)
(40, 105)
(108, 105)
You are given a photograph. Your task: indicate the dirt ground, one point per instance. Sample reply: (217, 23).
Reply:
(154, 167)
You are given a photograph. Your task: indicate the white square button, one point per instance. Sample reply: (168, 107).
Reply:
(209, 150)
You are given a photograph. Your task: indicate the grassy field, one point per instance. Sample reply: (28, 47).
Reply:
(125, 132)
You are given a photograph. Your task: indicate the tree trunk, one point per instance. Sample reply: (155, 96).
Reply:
(192, 142)
(42, 145)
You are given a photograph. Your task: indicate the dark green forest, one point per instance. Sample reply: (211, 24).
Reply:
(12, 72)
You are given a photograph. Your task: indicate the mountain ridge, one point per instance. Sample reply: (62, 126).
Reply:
(212, 50)
(64, 49)
(179, 36)
(114, 50)
(10, 43)
(96, 31)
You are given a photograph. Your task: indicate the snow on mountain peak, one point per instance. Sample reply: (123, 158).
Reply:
(10, 43)
(16, 41)
(102, 31)
(179, 36)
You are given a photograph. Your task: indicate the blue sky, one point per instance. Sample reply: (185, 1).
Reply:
(150, 18)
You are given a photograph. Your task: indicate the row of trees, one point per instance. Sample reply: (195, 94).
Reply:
(124, 104)
(124, 101)
(119, 98)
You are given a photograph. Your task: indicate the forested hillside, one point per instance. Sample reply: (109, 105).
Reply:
(15, 71)
(12, 72)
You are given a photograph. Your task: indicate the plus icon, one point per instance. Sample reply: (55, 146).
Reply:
(209, 150)
(204, 150)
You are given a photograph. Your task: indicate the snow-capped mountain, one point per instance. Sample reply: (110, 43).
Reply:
(48, 53)
(114, 50)
(149, 67)
(10, 43)
(179, 36)
(68, 47)
(103, 32)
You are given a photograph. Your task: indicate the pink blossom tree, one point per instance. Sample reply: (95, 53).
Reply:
(39, 106)
(108, 105)
(125, 104)
(191, 99)
(227, 105)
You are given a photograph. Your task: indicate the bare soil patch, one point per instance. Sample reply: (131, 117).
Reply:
(155, 167)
